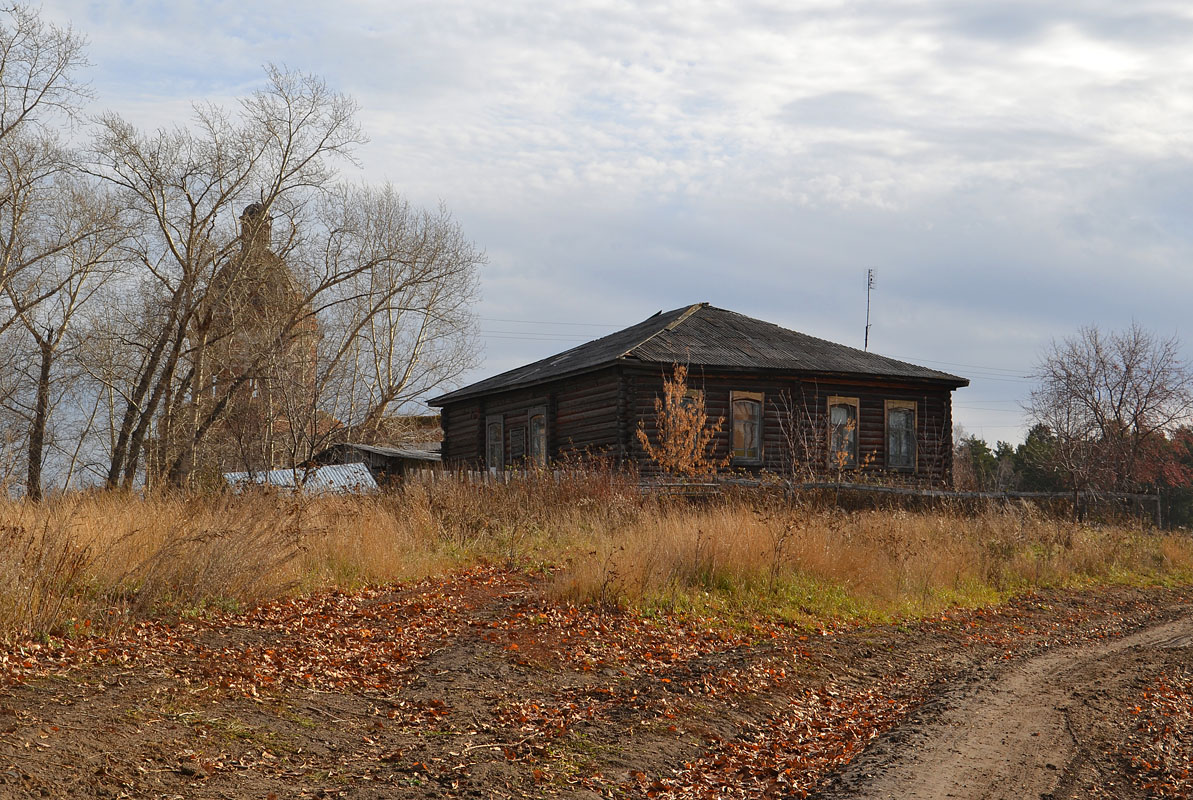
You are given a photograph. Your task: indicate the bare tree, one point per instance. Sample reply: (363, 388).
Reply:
(49, 223)
(1105, 396)
(180, 187)
(38, 88)
(396, 318)
(47, 301)
(326, 309)
(385, 316)
(38, 63)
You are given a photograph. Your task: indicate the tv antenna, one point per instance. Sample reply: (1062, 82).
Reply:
(869, 288)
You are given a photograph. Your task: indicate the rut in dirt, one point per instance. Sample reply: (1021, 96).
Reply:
(1003, 736)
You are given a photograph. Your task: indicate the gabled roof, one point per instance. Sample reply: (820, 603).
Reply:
(711, 338)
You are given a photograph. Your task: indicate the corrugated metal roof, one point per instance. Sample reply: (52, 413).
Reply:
(330, 479)
(706, 336)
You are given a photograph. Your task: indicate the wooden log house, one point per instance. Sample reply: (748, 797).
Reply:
(789, 403)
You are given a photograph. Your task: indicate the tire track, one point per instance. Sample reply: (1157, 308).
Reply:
(1000, 738)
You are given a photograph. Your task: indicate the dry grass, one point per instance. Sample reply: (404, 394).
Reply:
(101, 559)
(810, 565)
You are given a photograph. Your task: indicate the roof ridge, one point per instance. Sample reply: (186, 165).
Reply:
(670, 326)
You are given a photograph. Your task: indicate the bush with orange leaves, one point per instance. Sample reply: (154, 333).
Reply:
(684, 441)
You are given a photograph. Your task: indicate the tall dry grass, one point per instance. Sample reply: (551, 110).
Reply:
(810, 564)
(102, 559)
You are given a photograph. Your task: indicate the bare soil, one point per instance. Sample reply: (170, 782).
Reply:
(1048, 727)
(479, 686)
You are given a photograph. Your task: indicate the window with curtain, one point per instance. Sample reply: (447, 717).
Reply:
(747, 426)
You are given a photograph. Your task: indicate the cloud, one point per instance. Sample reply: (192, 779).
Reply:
(1012, 170)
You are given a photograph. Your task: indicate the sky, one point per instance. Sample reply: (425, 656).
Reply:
(1011, 171)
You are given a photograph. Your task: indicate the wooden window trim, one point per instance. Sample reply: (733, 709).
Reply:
(498, 420)
(758, 397)
(837, 400)
(915, 428)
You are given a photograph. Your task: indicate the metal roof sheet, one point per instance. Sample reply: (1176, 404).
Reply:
(709, 337)
(330, 479)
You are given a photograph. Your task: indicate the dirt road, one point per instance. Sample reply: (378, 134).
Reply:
(1035, 730)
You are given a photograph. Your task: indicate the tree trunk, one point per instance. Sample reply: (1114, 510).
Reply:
(127, 446)
(37, 430)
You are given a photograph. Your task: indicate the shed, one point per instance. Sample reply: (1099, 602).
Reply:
(385, 463)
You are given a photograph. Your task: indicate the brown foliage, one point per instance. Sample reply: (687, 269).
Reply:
(684, 442)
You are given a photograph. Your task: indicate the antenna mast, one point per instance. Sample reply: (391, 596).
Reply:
(869, 288)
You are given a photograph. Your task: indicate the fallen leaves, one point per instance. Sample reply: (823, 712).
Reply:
(1160, 744)
(477, 673)
(792, 752)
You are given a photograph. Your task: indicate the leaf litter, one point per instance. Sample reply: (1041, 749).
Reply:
(479, 684)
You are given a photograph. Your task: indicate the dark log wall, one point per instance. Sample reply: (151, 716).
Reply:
(599, 414)
(581, 418)
(463, 432)
(643, 386)
(795, 417)
(586, 415)
(934, 425)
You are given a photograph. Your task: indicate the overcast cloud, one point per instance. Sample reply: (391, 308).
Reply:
(1010, 170)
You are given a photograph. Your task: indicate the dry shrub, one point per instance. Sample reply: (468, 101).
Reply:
(39, 575)
(102, 557)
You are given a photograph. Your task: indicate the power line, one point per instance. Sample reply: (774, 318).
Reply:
(532, 338)
(544, 322)
(1011, 371)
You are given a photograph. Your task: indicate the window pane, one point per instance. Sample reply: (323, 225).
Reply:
(747, 424)
(517, 444)
(900, 424)
(496, 455)
(843, 440)
(538, 439)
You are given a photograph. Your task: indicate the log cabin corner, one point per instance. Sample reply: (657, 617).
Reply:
(790, 403)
